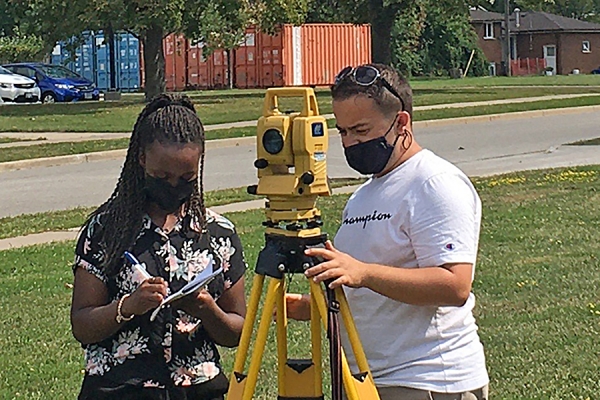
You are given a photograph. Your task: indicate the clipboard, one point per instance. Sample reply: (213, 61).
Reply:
(201, 280)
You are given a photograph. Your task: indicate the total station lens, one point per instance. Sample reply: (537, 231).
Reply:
(272, 141)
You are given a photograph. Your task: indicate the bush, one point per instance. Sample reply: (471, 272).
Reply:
(21, 48)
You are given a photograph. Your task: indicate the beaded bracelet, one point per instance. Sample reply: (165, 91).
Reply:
(120, 318)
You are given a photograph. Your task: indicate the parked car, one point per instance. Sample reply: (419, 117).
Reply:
(56, 82)
(17, 88)
(596, 71)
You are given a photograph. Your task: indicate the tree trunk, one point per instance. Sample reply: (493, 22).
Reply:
(109, 39)
(154, 62)
(230, 64)
(382, 22)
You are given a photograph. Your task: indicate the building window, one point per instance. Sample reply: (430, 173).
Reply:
(585, 46)
(489, 30)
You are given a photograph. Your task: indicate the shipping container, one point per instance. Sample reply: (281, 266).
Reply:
(203, 72)
(82, 62)
(91, 60)
(306, 55)
(258, 61)
(315, 53)
(127, 59)
(175, 48)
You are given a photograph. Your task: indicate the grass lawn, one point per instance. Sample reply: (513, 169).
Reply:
(538, 306)
(219, 107)
(495, 81)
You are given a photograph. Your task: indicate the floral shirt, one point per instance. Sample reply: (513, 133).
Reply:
(174, 350)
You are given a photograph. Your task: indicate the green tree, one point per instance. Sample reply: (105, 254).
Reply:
(217, 23)
(16, 44)
(448, 40)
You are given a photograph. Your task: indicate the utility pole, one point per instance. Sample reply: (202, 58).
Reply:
(507, 38)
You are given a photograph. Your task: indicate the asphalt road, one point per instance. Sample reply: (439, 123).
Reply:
(479, 148)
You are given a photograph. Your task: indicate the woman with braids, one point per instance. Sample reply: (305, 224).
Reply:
(157, 214)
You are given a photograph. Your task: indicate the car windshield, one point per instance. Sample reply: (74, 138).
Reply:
(56, 71)
(4, 71)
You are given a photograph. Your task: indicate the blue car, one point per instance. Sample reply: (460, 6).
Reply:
(56, 82)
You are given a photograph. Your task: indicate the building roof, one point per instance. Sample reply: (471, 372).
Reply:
(536, 21)
(530, 21)
(481, 15)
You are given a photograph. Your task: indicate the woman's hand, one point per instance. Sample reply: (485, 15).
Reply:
(197, 304)
(146, 297)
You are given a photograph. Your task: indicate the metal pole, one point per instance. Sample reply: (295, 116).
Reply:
(507, 32)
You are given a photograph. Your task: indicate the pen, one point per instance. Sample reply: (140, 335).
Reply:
(137, 266)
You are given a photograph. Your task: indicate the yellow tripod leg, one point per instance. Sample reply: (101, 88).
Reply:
(298, 379)
(242, 387)
(359, 386)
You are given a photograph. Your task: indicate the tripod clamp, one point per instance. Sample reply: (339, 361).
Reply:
(285, 255)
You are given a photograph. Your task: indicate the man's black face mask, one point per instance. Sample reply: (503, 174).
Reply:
(372, 156)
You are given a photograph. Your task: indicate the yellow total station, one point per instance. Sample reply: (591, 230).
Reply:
(291, 163)
(292, 173)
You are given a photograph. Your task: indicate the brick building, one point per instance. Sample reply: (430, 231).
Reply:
(565, 44)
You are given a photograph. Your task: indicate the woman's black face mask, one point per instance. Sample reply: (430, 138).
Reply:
(372, 156)
(168, 197)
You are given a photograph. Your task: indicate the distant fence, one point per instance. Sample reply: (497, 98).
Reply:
(527, 66)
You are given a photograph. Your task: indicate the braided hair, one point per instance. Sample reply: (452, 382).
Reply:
(168, 119)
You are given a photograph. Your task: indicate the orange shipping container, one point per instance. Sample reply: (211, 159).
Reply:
(317, 52)
(306, 55)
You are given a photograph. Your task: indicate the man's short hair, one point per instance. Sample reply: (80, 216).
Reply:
(388, 103)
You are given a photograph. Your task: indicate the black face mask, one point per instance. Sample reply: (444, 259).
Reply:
(169, 198)
(372, 156)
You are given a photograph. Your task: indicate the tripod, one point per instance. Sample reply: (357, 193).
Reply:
(298, 379)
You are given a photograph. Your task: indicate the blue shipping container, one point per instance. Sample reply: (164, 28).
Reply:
(82, 62)
(127, 58)
(92, 60)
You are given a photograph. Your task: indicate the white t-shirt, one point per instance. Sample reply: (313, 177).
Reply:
(425, 213)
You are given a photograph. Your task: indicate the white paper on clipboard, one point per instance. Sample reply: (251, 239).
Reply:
(199, 282)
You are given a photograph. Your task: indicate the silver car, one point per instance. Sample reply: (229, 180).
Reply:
(18, 88)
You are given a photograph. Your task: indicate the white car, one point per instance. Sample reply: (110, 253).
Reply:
(18, 88)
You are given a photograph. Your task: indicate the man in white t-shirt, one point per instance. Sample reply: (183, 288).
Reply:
(406, 250)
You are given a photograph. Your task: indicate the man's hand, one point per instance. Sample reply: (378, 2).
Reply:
(338, 267)
(297, 305)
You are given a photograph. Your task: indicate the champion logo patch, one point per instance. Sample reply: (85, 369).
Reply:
(450, 246)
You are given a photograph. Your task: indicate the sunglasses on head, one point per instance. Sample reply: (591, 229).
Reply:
(365, 75)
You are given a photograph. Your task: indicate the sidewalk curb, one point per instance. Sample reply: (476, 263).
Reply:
(232, 142)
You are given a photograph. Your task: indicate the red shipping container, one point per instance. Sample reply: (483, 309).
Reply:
(206, 73)
(175, 48)
(219, 62)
